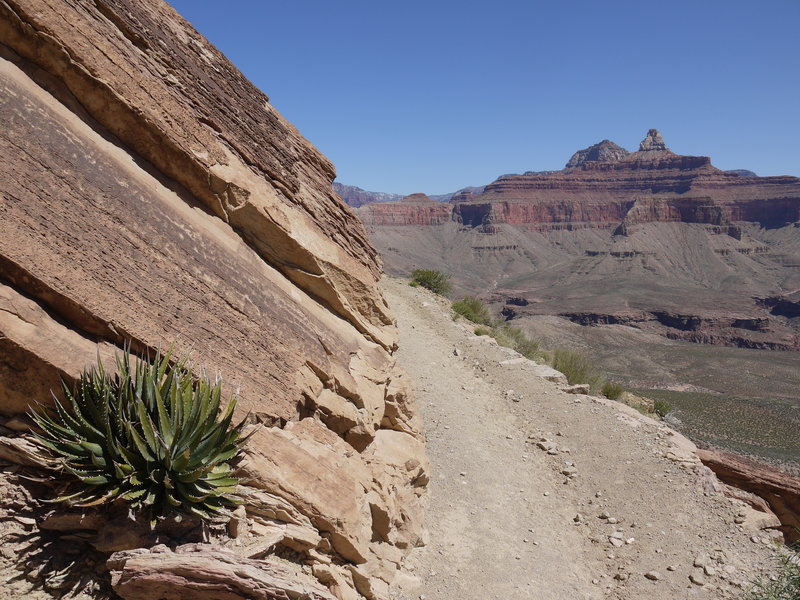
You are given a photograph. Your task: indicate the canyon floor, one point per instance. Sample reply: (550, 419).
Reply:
(617, 508)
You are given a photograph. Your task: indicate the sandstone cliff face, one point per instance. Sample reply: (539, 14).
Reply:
(415, 209)
(150, 194)
(779, 489)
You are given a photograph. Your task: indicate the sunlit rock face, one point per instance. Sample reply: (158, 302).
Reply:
(152, 196)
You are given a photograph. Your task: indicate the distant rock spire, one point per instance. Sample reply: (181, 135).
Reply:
(653, 141)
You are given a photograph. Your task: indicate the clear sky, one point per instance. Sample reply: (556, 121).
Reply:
(435, 95)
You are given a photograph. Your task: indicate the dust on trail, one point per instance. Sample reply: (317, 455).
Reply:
(503, 520)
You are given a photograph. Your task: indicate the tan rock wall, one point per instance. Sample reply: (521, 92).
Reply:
(151, 195)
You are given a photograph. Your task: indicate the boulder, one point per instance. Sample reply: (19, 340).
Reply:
(207, 572)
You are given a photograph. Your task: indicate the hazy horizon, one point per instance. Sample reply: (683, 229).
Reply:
(438, 96)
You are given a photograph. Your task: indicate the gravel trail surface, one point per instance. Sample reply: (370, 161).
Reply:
(537, 493)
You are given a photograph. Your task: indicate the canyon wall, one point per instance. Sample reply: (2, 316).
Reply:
(638, 188)
(653, 239)
(151, 196)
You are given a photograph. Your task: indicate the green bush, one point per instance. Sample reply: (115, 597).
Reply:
(661, 408)
(785, 581)
(612, 390)
(483, 331)
(152, 437)
(576, 367)
(473, 309)
(435, 281)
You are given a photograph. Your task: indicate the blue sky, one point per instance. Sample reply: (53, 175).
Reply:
(434, 95)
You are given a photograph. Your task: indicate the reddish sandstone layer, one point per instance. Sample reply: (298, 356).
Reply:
(780, 490)
(150, 195)
(646, 186)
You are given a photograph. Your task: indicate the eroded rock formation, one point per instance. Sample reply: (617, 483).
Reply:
(619, 235)
(605, 151)
(151, 195)
(780, 490)
(606, 184)
(203, 571)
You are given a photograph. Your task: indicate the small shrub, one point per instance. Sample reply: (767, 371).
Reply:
(661, 408)
(435, 281)
(612, 390)
(575, 366)
(522, 343)
(785, 581)
(516, 339)
(473, 309)
(151, 437)
(483, 331)
(528, 348)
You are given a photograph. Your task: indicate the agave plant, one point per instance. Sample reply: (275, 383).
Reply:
(151, 436)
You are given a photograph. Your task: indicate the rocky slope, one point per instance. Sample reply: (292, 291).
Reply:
(151, 195)
(650, 239)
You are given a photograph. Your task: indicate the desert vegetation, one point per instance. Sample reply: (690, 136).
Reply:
(149, 435)
(432, 280)
(612, 390)
(576, 367)
(784, 583)
(473, 309)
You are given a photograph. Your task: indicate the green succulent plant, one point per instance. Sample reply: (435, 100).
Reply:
(151, 436)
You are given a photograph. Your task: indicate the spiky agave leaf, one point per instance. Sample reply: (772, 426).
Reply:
(150, 435)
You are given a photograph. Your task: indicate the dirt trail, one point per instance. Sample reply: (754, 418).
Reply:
(505, 522)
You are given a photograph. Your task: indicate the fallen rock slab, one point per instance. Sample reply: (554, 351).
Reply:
(779, 489)
(550, 374)
(206, 572)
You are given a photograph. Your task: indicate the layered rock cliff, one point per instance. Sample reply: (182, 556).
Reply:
(606, 184)
(151, 195)
(614, 236)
